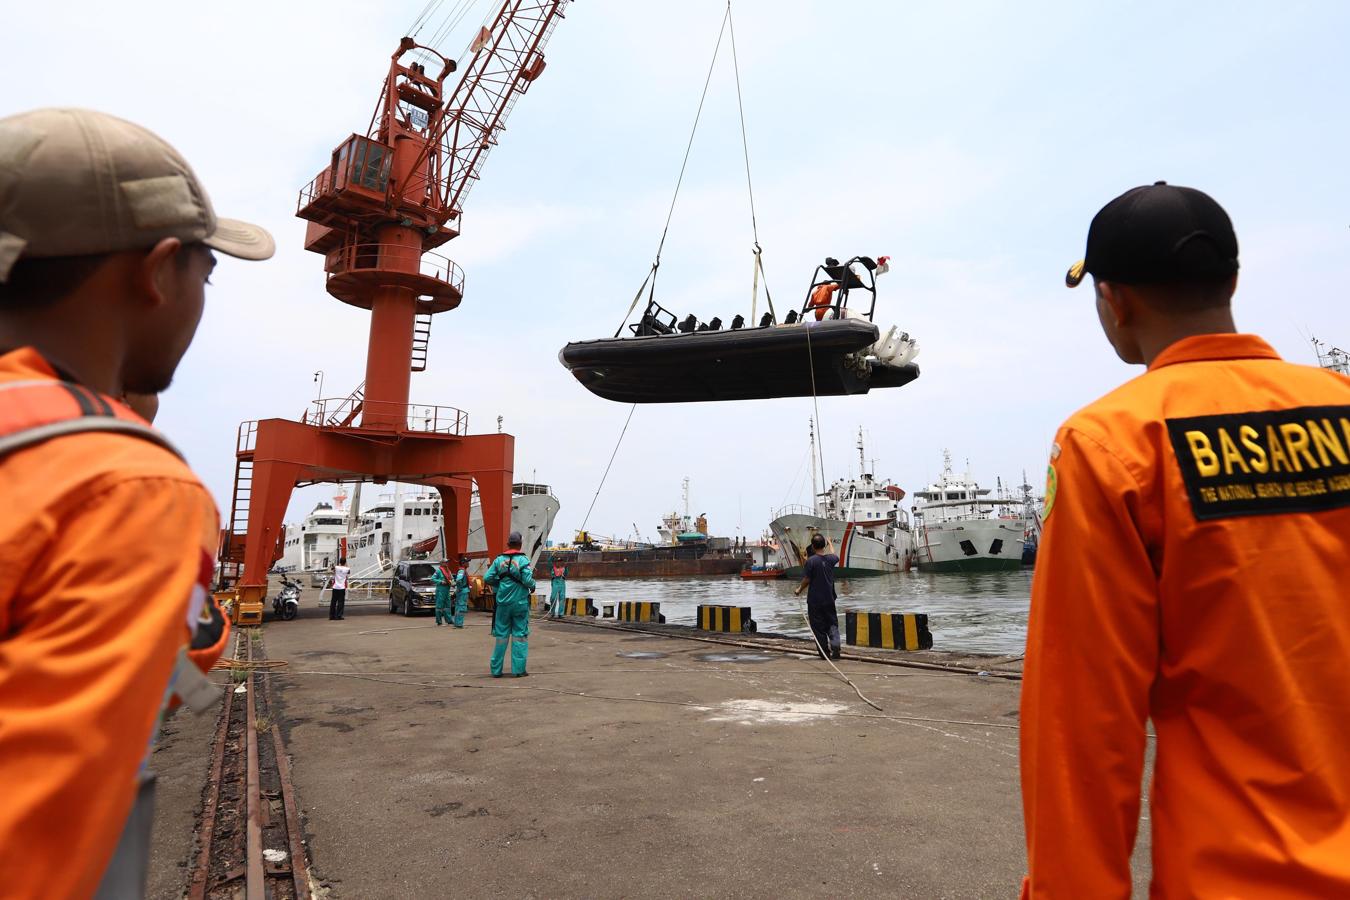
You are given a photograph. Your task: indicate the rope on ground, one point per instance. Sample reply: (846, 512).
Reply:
(825, 656)
(607, 466)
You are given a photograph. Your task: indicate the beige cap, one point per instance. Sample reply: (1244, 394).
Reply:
(74, 182)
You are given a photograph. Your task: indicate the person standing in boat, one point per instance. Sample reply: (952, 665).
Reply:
(557, 597)
(822, 298)
(818, 582)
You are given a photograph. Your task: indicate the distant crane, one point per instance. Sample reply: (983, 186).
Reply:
(386, 199)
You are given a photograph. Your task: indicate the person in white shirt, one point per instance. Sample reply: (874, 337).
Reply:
(339, 598)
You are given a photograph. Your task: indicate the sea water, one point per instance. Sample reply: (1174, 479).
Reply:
(981, 612)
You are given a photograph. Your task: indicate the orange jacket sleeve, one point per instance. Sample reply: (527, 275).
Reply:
(85, 664)
(1092, 649)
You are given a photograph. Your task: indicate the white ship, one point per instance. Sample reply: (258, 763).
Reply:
(958, 527)
(407, 526)
(402, 527)
(861, 516)
(313, 545)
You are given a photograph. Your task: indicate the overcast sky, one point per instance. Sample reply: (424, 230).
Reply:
(972, 142)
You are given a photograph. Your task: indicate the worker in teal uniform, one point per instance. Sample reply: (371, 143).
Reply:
(558, 593)
(512, 581)
(442, 579)
(461, 592)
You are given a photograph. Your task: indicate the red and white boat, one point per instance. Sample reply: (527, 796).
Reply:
(861, 517)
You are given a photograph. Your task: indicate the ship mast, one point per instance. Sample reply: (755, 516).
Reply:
(862, 460)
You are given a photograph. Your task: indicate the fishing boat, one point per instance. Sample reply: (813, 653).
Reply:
(958, 527)
(685, 549)
(861, 517)
(762, 573)
(824, 349)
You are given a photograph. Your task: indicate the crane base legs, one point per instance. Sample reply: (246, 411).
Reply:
(286, 454)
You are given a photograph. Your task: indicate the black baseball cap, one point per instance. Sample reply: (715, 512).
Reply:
(514, 539)
(1159, 234)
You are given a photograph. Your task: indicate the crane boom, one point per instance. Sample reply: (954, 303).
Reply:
(507, 58)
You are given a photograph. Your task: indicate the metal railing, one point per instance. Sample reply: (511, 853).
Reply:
(794, 509)
(414, 417)
(383, 257)
(321, 185)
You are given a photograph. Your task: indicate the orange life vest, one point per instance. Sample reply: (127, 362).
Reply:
(822, 298)
(41, 410)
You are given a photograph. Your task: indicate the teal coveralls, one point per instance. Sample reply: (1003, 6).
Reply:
(512, 581)
(558, 595)
(442, 595)
(461, 596)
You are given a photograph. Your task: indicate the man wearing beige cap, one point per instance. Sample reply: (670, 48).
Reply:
(108, 538)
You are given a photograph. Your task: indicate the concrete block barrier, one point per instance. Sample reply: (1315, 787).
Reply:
(580, 606)
(640, 611)
(889, 631)
(725, 618)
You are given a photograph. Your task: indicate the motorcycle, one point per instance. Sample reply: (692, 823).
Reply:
(286, 604)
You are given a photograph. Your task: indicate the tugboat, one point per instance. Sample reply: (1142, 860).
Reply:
(861, 516)
(958, 527)
(826, 348)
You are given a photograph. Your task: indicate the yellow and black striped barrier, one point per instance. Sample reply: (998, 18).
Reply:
(890, 631)
(640, 611)
(725, 618)
(580, 606)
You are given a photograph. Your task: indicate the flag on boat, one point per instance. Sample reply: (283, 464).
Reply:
(883, 265)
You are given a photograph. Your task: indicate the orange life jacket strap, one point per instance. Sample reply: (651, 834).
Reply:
(32, 412)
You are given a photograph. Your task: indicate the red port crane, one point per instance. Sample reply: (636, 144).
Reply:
(385, 200)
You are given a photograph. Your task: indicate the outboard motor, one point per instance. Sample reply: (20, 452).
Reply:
(286, 604)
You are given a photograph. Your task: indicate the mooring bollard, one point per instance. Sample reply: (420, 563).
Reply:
(640, 611)
(580, 606)
(890, 631)
(725, 618)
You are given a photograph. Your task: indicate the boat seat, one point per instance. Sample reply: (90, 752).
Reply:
(651, 325)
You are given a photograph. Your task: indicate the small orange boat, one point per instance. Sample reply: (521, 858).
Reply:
(755, 572)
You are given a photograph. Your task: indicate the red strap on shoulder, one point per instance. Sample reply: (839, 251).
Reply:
(39, 410)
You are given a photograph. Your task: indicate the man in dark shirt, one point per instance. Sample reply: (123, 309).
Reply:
(818, 582)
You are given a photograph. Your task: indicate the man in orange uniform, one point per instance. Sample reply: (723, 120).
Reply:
(1192, 572)
(822, 298)
(107, 537)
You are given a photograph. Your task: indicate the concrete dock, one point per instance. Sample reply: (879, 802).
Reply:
(624, 766)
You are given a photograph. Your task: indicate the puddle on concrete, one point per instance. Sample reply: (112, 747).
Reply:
(732, 657)
(642, 654)
(762, 712)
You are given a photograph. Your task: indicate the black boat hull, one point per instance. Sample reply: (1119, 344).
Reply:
(745, 364)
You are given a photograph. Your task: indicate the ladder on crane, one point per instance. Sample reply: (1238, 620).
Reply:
(421, 341)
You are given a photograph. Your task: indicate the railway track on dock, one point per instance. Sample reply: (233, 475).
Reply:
(249, 841)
